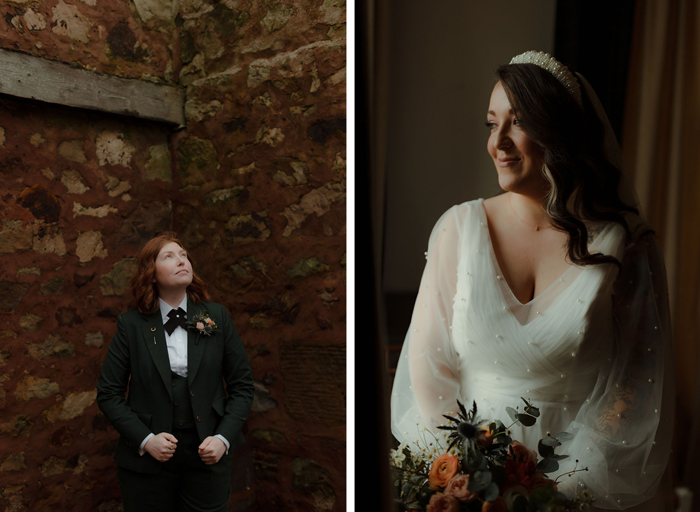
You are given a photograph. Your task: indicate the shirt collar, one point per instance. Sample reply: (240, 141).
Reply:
(165, 308)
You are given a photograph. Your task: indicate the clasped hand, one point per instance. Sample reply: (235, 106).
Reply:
(162, 447)
(211, 450)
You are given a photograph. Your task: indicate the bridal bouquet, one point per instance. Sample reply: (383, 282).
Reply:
(483, 469)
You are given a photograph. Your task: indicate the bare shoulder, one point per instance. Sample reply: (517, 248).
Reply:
(496, 201)
(494, 206)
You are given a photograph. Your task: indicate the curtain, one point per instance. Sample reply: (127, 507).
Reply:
(662, 153)
(372, 436)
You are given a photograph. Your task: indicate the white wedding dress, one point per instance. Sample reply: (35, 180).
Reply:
(592, 352)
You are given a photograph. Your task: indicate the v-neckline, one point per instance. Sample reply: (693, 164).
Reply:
(499, 272)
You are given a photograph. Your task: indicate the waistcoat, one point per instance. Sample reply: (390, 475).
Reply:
(182, 401)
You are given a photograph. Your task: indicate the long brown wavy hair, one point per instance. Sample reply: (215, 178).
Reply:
(583, 182)
(143, 284)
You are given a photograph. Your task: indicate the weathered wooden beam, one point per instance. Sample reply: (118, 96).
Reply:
(26, 76)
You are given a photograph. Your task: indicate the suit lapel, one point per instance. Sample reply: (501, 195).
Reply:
(154, 337)
(195, 343)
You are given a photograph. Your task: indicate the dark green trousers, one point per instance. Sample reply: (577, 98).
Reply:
(184, 483)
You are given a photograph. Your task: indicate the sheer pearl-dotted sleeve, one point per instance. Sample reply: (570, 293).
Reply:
(623, 430)
(427, 381)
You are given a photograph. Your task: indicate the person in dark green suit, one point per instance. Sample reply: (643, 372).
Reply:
(177, 385)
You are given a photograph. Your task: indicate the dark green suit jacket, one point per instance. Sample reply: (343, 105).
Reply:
(137, 359)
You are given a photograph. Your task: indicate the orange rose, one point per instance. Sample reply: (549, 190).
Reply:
(443, 503)
(498, 505)
(457, 487)
(522, 453)
(444, 468)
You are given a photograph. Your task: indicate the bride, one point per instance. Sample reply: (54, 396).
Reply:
(554, 291)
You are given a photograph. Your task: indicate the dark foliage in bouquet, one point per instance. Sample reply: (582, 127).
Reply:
(482, 469)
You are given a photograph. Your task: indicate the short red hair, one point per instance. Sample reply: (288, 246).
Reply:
(143, 284)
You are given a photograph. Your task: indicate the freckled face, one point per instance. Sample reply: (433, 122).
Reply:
(173, 268)
(518, 159)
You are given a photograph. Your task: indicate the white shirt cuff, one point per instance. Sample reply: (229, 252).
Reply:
(143, 443)
(228, 446)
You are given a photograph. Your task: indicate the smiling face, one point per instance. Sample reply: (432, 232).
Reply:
(519, 160)
(173, 269)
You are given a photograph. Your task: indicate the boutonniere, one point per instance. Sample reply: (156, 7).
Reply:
(203, 323)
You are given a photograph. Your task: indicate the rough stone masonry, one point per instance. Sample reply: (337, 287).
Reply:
(255, 186)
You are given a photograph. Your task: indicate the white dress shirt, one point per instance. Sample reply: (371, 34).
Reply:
(177, 341)
(177, 353)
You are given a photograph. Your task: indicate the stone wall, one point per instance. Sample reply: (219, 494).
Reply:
(254, 184)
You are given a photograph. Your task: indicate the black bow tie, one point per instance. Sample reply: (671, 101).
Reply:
(177, 317)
